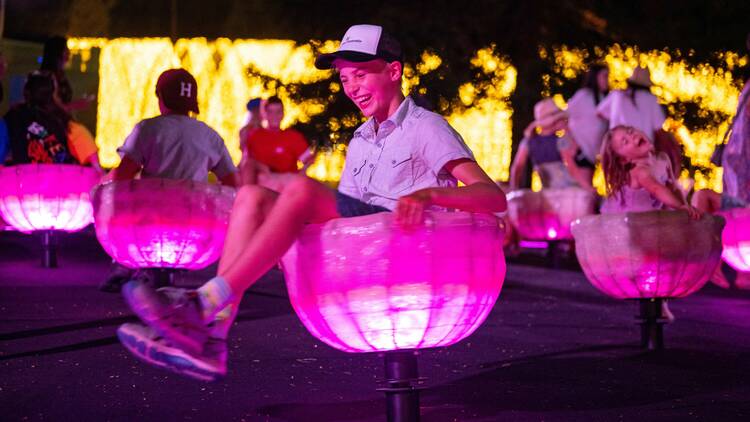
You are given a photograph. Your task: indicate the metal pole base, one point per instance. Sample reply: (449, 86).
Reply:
(49, 246)
(159, 277)
(165, 277)
(554, 259)
(402, 398)
(651, 321)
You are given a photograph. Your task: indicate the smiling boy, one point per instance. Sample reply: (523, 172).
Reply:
(403, 159)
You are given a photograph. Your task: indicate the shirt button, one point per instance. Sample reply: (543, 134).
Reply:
(364, 188)
(393, 161)
(372, 165)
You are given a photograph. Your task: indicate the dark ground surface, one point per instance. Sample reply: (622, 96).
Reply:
(553, 349)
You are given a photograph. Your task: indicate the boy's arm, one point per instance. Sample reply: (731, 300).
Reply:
(127, 170)
(480, 194)
(94, 160)
(568, 154)
(519, 165)
(307, 158)
(231, 179)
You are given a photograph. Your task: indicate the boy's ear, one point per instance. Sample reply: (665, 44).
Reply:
(395, 70)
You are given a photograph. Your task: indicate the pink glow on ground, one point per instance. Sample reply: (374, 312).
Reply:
(158, 223)
(361, 284)
(547, 214)
(736, 238)
(46, 196)
(655, 254)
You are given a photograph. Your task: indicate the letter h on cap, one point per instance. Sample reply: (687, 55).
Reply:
(185, 89)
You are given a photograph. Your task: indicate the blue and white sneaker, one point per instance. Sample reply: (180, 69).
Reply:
(147, 345)
(172, 312)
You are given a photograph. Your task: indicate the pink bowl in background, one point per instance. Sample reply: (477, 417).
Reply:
(654, 254)
(547, 214)
(736, 238)
(159, 223)
(47, 196)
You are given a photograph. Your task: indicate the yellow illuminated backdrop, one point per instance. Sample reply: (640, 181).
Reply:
(129, 68)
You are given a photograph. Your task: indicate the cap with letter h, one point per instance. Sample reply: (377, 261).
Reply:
(178, 90)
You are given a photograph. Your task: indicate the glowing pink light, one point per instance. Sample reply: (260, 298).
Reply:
(157, 223)
(547, 214)
(46, 196)
(364, 284)
(655, 254)
(736, 238)
(533, 244)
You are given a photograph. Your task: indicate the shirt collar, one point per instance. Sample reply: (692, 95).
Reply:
(367, 130)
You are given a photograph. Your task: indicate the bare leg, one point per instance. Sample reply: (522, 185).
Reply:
(302, 201)
(706, 200)
(250, 209)
(248, 170)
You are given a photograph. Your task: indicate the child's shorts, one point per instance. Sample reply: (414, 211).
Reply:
(353, 207)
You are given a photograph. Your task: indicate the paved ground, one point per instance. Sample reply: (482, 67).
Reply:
(553, 349)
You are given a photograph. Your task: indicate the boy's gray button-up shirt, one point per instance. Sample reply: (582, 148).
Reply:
(407, 153)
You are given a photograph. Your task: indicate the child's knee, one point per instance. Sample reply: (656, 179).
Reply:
(252, 197)
(706, 200)
(302, 188)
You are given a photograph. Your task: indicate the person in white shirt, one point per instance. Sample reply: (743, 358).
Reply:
(173, 145)
(587, 126)
(635, 106)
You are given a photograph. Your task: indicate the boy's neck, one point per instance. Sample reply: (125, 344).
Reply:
(393, 106)
(174, 113)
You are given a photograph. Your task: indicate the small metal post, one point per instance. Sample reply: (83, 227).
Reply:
(651, 321)
(402, 398)
(554, 258)
(159, 277)
(49, 245)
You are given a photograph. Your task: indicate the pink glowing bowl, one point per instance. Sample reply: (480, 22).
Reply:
(364, 284)
(46, 196)
(159, 223)
(654, 254)
(736, 238)
(547, 214)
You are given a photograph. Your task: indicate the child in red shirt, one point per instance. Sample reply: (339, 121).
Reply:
(273, 149)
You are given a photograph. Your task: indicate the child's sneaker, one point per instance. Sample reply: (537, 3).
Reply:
(173, 312)
(146, 344)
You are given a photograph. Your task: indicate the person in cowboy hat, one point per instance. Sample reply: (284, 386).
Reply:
(587, 127)
(552, 151)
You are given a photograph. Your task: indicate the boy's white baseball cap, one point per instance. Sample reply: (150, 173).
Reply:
(363, 43)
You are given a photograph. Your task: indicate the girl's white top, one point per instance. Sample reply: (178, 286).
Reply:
(584, 123)
(642, 112)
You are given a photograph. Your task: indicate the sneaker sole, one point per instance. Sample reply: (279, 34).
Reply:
(178, 362)
(192, 340)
